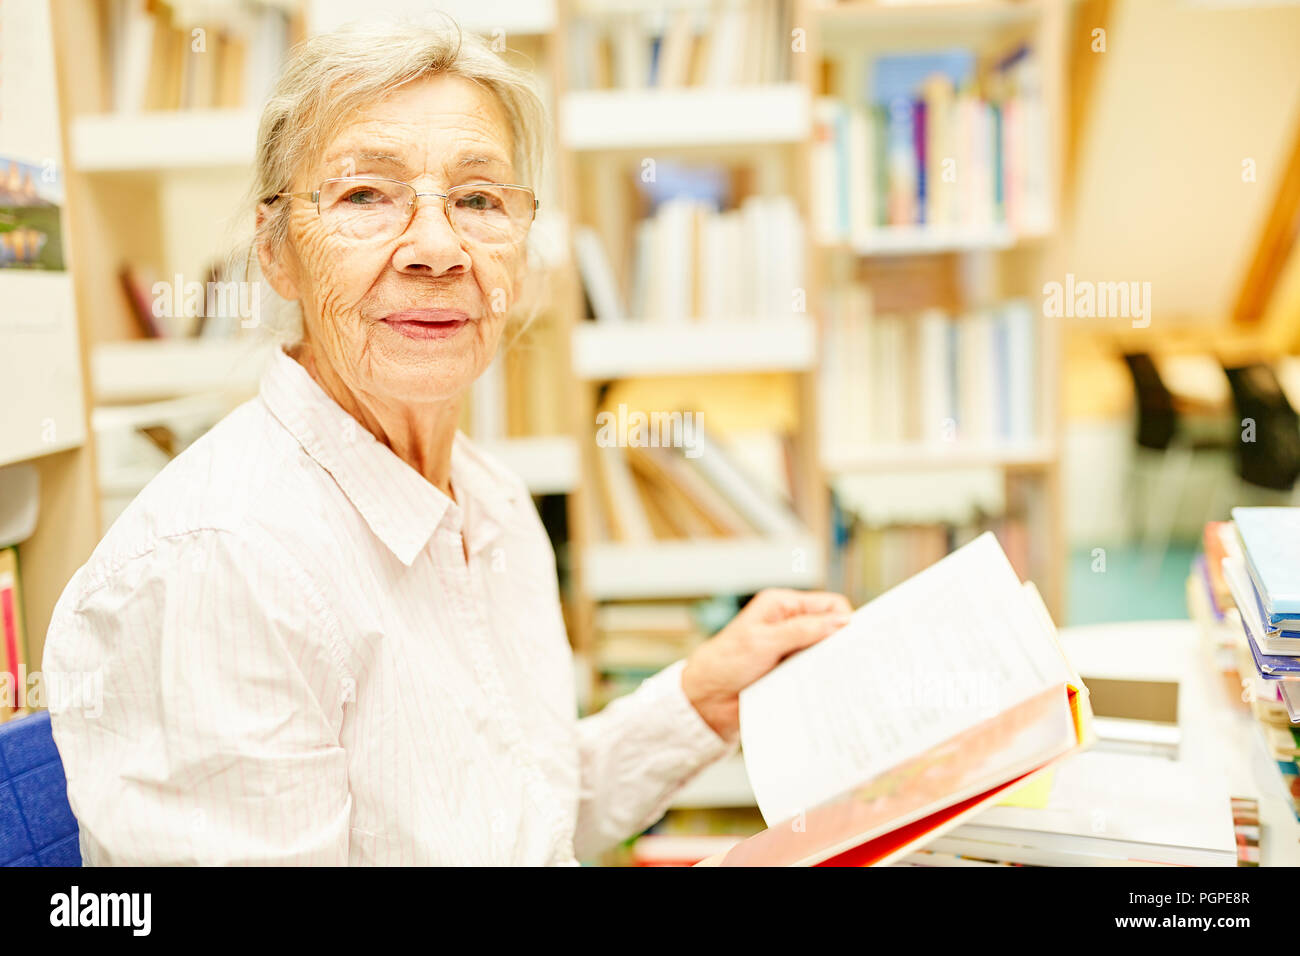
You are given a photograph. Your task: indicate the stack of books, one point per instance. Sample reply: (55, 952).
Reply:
(690, 261)
(1260, 569)
(869, 560)
(13, 641)
(733, 43)
(652, 489)
(934, 146)
(931, 378)
(171, 56)
(685, 836)
(1102, 809)
(636, 640)
(1209, 598)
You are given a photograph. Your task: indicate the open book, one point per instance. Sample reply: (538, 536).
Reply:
(936, 700)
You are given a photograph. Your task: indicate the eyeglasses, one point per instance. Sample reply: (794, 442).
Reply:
(376, 210)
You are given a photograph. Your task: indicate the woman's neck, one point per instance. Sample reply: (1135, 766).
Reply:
(421, 435)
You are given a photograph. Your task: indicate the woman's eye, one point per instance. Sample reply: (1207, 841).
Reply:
(364, 197)
(477, 202)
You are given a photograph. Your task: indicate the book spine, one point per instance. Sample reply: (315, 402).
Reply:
(921, 159)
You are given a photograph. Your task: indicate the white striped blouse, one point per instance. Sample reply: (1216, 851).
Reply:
(299, 665)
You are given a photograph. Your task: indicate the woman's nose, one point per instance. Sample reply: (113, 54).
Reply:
(430, 246)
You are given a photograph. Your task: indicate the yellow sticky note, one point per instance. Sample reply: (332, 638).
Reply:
(1033, 795)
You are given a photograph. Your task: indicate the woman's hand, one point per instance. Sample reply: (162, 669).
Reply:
(775, 624)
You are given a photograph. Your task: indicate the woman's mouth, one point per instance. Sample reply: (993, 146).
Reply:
(427, 323)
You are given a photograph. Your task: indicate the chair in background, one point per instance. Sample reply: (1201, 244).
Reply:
(37, 827)
(1167, 443)
(1272, 460)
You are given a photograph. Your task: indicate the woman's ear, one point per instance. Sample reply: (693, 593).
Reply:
(274, 268)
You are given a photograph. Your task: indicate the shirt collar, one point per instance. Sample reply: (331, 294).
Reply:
(399, 504)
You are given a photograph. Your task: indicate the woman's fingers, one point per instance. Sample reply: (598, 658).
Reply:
(780, 604)
(799, 632)
(828, 601)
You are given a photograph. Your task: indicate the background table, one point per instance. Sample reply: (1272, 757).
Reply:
(1220, 737)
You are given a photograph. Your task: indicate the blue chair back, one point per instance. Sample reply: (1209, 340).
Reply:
(37, 827)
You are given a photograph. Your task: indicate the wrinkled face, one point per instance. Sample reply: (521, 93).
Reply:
(415, 318)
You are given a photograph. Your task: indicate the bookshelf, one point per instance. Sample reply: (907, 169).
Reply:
(604, 132)
(967, 265)
(609, 130)
(45, 433)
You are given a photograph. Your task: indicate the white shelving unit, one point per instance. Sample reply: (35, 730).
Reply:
(917, 456)
(633, 119)
(987, 262)
(606, 351)
(40, 366)
(927, 240)
(478, 16)
(850, 21)
(164, 141)
(146, 370)
(720, 785)
(548, 464)
(682, 569)
(761, 128)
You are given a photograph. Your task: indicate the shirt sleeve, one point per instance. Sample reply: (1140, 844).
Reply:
(196, 699)
(636, 754)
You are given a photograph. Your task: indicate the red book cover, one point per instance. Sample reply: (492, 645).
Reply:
(894, 812)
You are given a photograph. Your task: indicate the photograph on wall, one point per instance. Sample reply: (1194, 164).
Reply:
(31, 205)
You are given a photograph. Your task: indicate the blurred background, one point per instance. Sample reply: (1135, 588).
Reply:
(921, 269)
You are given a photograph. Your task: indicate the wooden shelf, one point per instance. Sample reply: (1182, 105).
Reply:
(695, 116)
(183, 410)
(907, 16)
(533, 18)
(151, 369)
(678, 569)
(862, 26)
(548, 464)
(608, 351)
(929, 240)
(161, 141)
(723, 784)
(40, 367)
(921, 457)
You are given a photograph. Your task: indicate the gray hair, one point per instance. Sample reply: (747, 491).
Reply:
(330, 75)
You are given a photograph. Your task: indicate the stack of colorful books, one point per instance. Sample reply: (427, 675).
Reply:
(1259, 566)
(1209, 599)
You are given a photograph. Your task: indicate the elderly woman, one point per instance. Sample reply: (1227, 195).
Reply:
(330, 631)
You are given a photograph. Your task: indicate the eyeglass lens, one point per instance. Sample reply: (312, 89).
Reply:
(377, 209)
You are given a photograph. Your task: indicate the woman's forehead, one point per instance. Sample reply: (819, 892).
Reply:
(461, 122)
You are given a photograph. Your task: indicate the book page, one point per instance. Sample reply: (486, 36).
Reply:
(912, 801)
(946, 649)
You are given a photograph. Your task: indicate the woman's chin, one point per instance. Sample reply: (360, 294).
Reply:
(422, 373)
